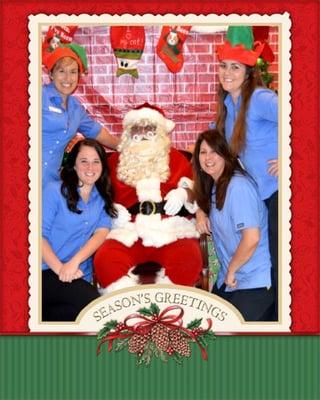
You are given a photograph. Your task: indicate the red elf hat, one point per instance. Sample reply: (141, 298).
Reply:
(240, 46)
(75, 51)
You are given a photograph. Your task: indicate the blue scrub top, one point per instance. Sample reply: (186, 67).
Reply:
(243, 208)
(67, 231)
(59, 126)
(261, 136)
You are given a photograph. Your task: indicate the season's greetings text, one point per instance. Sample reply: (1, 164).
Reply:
(131, 302)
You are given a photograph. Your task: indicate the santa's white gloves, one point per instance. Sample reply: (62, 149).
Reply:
(176, 198)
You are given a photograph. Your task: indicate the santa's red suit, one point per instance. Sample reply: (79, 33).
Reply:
(171, 241)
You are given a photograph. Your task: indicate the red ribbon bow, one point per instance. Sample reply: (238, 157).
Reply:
(144, 326)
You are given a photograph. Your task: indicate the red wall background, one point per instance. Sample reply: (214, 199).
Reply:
(187, 97)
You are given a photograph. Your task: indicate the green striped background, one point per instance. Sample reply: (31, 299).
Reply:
(66, 367)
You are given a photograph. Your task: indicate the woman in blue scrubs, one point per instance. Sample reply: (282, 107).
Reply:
(238, 222)
(247, 115)
(76, 217)
(63, 116)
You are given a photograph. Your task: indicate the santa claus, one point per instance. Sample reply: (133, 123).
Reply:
(152, 185)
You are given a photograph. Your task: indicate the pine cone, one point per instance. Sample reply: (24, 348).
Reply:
(179, 343)
(160, 336)
(137, 343)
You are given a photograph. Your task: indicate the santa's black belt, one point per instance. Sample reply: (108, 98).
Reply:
(151, 207)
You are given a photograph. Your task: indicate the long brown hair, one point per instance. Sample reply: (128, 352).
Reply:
(238, 138)
(203, 183)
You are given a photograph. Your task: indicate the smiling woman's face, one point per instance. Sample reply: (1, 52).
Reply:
(231, 76)
(65, 76)
(210, 161)
(88, 166)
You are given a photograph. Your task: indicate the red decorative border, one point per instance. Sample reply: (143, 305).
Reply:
(14, 143)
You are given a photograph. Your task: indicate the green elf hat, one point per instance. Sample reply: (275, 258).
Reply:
(81, 53)
(240, 46)
(75, 51)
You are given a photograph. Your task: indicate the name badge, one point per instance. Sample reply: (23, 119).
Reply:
(55, 109)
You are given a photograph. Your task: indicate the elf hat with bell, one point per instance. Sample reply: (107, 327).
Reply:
(75, 51)
(240, 46)
(149, 113)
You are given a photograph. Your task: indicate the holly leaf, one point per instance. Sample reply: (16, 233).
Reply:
(202, 341)
(209, 336)
(121, 344)
(108, 326)
(178, 358)
(145, 311)
(163, 356)
(154, 309)
(194, 324)
(146, 357)
(205, 338)
(155, 350)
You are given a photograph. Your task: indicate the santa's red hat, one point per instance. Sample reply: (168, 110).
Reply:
(150, 113)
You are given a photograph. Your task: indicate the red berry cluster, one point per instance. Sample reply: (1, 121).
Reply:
(155, 317)
(197, 331)
(120, 327)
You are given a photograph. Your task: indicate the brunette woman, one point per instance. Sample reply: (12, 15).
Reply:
(238, 222)
(76, 217)
(247, 116)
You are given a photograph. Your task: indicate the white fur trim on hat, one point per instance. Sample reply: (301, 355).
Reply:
(134, 116)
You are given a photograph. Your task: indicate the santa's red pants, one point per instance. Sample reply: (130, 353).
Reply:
(182, 260)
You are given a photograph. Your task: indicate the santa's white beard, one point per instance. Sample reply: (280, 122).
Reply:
(146, 159)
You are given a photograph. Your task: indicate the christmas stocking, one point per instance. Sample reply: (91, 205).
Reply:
(57, 35)
(127, 43)
(169, 47)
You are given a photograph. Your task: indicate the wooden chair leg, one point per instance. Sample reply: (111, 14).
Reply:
(205, 262)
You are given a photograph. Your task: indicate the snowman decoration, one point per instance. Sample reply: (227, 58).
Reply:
(128, 44)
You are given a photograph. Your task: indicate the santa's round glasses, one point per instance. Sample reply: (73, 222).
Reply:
(140, 132)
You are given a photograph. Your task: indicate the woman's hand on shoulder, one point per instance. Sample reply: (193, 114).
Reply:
(73, 141)
(106, 139)
(273, 167)
(202, 222)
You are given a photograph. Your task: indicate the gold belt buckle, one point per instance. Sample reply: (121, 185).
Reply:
(152, 203)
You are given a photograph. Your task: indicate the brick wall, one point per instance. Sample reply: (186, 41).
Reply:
(187, 97)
